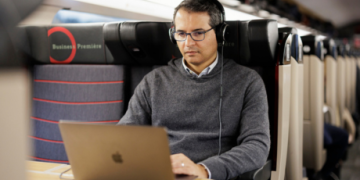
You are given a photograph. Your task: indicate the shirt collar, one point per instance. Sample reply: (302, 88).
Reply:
(206, 71)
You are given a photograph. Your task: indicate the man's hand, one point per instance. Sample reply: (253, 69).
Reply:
(183, 165)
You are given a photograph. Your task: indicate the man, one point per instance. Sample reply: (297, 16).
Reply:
(184, 97)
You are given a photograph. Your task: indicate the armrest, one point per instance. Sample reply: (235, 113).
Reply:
(349, 124)
(258, 174)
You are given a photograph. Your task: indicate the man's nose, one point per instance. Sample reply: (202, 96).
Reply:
(189, 41)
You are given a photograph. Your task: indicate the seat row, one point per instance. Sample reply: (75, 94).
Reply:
(88, 73)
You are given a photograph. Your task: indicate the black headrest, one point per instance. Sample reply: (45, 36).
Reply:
(147, 43)
(288, 30)
(313, 46)
(344, 49)
(68, 43)
(283, 52)
(348, 51)
(330, 46)
(248, 42)
(296, 44)
(341, 49)
(251, 43)
(11, 13)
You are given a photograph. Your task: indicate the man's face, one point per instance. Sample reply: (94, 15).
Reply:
(196, 53)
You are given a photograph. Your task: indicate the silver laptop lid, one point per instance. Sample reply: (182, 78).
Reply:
(116, 152)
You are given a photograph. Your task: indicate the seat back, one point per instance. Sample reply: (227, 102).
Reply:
(358, 84)
(280, 98)
(243, 41)
(15, 90)
(346, 119)
(341, 84)
(350, 125)
(353, 84)
(67, 85)
(314, 153)
(349, 83)
(294, 154)
(275, 69)
(330, 70)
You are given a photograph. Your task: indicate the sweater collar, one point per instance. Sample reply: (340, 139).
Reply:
(206, 71)
(177, 64)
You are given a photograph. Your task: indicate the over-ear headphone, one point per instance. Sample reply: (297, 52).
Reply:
(220, 29)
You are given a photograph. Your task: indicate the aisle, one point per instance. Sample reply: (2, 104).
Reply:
(351, 168)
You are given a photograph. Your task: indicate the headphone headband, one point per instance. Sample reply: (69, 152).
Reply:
(219, 29)
(221, 9)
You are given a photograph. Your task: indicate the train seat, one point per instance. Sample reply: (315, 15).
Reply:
(346, 119)
(348, 82)
(353, 83)
(330, 64)
(72, 80)
(274, 66)
(294, 155)
(15, 90)
(341, 97)
(241, 46)
(314, 155)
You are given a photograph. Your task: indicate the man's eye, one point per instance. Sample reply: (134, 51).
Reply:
(181, 34)
(197, 33)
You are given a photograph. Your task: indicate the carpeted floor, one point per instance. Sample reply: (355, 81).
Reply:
(351, 168)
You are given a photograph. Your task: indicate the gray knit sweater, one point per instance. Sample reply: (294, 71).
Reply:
(189, 108)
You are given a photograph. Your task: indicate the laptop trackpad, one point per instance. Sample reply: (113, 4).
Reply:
(185, 177)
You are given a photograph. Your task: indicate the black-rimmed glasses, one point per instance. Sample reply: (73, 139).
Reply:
(195, 35)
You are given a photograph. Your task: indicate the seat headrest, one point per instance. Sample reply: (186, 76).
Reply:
(296, 44)
(68, 43)
(248, 42)
(283, 52)
(251, 43)
(313, 46)
(288, 30)
(344, 49)
(13, 11)
(12, 40)
(147, 42)
(341, 50)
(330, 46)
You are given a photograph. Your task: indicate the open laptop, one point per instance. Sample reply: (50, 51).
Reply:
(98, 151)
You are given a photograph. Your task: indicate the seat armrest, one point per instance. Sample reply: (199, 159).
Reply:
(258, 174)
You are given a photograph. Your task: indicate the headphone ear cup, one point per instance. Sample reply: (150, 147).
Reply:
(220, 32)
(171, 35)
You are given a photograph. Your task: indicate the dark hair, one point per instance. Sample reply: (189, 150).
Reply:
(201, 6)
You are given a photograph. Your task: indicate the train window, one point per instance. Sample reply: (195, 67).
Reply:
(68, 16)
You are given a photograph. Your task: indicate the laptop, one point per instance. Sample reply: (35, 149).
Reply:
(100, 151)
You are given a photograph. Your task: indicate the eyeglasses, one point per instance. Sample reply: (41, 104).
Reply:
(196, 35)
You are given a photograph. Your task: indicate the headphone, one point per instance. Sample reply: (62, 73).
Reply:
(220, 29)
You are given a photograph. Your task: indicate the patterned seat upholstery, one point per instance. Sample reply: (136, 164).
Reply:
(85, 93)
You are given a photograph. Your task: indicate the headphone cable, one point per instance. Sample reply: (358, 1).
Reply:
(221, 94)
(63, 173)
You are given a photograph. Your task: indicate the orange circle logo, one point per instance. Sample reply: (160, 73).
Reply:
(73, 43)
